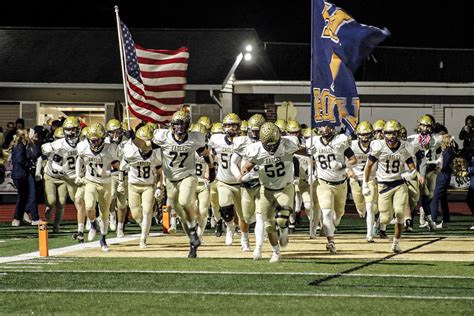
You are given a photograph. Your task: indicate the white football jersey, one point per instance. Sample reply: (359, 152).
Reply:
(120, 148)
(362, 155)
(276, 171)
(69, 155)
(336, 150)
(429, 150)
(240, 145)
(201, 167)
(52, 168)
(178, 158)
(223, 149)
(141, 168)
(97, 165)
(389, 161)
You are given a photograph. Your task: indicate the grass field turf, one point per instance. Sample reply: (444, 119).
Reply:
(71, 285)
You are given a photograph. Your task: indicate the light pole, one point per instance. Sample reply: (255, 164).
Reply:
(246, 55)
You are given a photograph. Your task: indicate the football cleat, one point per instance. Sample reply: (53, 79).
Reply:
(276, 256)
(173, 224)
(143, 244)
(245, 245)
(396, 247)
(192, 252)
(103, 245)
(120, 233)
(369, 239)
(383, 234)
(47, 213)
(257, 253)
(408, 225)
(92, 231)
(113, 221)
(79, 236)
(331, 247)
(229, 237)
(219, 228)
(194, 238)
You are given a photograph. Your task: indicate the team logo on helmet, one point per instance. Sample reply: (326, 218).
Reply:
(293, 127)
(244, 126)
(255, 121)
(206, 121)
(281, 125)
(270, 137)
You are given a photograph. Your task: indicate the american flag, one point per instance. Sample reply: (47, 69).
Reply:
(155, 79)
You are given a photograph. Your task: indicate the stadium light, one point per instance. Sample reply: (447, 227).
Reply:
(243, 55)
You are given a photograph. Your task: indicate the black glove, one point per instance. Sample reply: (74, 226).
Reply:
(212, 174)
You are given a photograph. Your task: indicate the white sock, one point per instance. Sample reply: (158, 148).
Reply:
(230, 226)
(104, 226)
(328, 221)
(244, 238)
(395, 240)
(191, 225)
(369, 218)
(276, 248)
(383, 227)
(146, 224)
(80, 227)
(259, 230)
(120, 226)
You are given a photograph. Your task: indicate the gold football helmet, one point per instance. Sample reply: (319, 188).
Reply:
(293, 127)
(231, 123)
(378, 129)
(114, 130)
(244, 126)
(425, 124)
(96, 135)
(270, 136)
(71, 128)
(206, 121)
(180, 122)
(145, 133)
(255, 121)
(364, 131)
(84, 132)
(217, 128)
(390, 132)
(200, 128)
(58, 133)
(281, 125)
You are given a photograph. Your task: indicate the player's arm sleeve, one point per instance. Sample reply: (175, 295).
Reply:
(234, 165)
(348, 152)
(296, 165)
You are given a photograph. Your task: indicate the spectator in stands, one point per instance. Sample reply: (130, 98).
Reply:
(2, 137)
(20, 174)
(19, 124)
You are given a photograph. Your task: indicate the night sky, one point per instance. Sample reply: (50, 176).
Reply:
(428, 24)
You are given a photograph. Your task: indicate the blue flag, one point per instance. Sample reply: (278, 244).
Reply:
(339, 45)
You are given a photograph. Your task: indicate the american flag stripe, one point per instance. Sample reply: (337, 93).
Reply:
(156, 79)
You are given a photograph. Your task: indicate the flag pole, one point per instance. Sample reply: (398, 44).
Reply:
(122, 63)
(311, 159)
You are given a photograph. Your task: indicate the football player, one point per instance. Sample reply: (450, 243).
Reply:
(427, 143)
(217, 128)
(202, 189)
(250, 190)
(331, 152)
(54, 185)
(244, 126)
(378, 129)
(178, 147)
(115, 135)
(228, 186)
(390, 154)
(98, 158)
(365, 205)
(274, 157)
(281, 125)
(144, 180)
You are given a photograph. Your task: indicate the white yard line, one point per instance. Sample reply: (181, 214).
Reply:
(61, 251)
(111, 291)
(416, 276)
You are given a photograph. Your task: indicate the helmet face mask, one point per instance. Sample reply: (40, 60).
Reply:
(425, 129)
(365, 138)
(116, 135)
(327, 132)
(253, 133)
(232, 130)
(391, 131)
(180, 123)
(270, 137)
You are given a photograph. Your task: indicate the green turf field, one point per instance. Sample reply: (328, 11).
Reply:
(75, 285)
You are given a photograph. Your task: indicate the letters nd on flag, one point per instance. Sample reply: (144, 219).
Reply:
(155, 79)
(339, 45)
